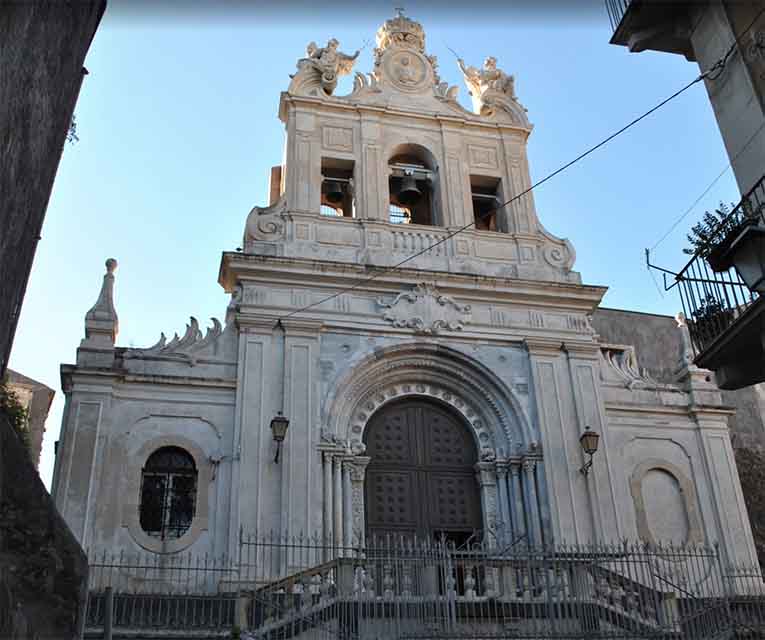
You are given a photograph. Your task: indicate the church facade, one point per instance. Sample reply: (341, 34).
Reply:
(430, 346)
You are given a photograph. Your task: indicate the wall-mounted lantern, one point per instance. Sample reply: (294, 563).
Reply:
(279, 426)
(589, 443)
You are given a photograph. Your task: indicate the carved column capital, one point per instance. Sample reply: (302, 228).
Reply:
(502, 469)
(357, 467)
(486, 474)
(529, 464)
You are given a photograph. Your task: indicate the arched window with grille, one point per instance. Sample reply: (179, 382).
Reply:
(168, 493)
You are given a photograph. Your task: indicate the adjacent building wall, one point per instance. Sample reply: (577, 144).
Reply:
(36, 399)
(42, 49)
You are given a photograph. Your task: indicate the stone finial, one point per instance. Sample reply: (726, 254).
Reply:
(101, 324)
(686, 350)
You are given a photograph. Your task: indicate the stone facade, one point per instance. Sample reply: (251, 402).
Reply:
(493, 325)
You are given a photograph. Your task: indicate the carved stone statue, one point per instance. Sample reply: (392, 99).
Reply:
(487, 79)
(490, 87)
(328, 62)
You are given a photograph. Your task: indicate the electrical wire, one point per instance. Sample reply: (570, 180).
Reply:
(709, 187)
(487, 213)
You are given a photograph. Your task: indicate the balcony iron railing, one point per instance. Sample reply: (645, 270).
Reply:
(713, 301)
(616, 10)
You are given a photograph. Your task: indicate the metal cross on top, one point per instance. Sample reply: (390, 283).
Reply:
(399, 12)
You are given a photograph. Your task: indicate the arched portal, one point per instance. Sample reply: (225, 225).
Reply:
(421, 477)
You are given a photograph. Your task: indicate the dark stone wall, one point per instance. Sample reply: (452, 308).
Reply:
(42, 47)
(43, 570)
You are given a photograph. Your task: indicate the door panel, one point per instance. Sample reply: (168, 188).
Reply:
(421, 476)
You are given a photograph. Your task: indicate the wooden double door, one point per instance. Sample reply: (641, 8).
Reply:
(421, 478)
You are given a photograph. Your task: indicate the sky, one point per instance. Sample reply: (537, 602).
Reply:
(178, 128)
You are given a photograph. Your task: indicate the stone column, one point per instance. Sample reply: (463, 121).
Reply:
(347, 514)
(358, 468)
(529, 479)
(337, 500)
(328, 513)
(519, 524)
(504, 503)
(487, 480)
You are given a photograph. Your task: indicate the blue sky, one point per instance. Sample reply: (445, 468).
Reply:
(178, 128)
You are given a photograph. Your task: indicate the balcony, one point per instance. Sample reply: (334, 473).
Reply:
(722, 289)
(642, 25)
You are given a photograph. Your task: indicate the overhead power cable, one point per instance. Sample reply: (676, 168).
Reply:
(448, 236)
(709, 186)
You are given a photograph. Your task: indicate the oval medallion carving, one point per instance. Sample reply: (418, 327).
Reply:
(407, 70)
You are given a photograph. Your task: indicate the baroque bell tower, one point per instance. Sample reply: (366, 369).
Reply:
(360, 355)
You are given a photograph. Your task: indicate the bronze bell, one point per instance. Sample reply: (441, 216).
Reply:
(408, 193)
(333, 191)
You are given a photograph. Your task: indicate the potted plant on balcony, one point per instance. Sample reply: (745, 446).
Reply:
(709, 320)
(710, 238)
(735, 238)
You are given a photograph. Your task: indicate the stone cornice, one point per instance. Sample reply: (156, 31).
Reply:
(540, 346)
(298, 327)
(73, 376)
(687, 410)
(359, 108)
(582, 350)
(332, 276)
(260, 324)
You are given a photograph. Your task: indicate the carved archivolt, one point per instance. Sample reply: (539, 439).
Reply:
(433, 371)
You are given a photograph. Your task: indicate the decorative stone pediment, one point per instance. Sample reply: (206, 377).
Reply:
(187, 346)
(426, 311)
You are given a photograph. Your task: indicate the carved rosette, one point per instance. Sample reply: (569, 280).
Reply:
(426, 311)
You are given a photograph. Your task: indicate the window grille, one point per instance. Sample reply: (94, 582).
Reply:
(326, 210)
(168, 493)
(398, 215)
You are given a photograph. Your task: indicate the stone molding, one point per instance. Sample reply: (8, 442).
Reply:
(130, 511)
(538, 346)
(687, 490)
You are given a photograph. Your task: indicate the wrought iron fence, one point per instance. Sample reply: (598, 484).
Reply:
(714, 300)
(164, 591)
(283, 587)
(616, 10)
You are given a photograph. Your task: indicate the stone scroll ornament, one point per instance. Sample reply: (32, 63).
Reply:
(323, 65)
(492, 89)
(426, 311)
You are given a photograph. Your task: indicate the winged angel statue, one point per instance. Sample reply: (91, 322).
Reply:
(328, 62)
(490, 87)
